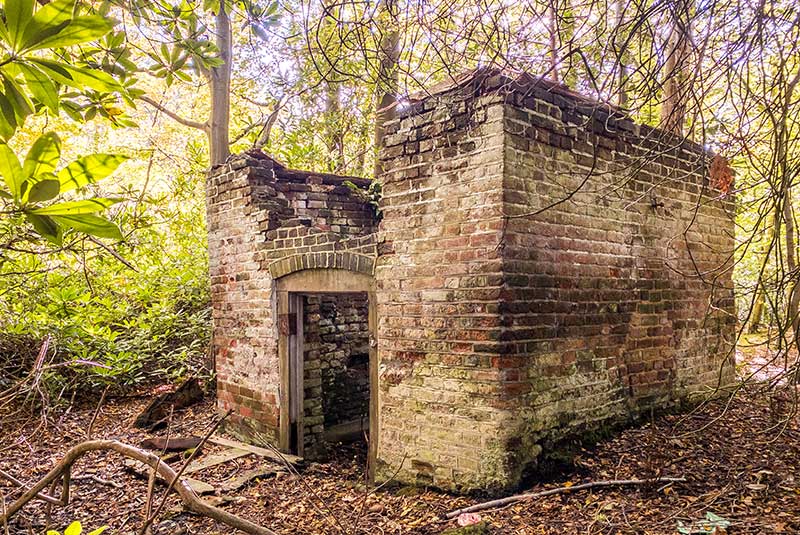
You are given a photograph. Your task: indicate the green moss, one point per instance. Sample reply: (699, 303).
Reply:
(481, 528)
(409, 490)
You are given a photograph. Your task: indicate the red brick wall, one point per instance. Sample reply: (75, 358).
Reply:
(502, 330)
(439, 295)
(618, 294)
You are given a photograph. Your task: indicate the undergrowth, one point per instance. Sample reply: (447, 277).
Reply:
(110, 324)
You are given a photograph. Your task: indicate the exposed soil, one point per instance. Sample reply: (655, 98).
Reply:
(740, 459)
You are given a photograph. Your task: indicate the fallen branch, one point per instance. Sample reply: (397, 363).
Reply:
(188, 497)
(583, 486)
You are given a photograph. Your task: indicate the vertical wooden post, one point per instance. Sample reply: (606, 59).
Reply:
(374, 409)
(284, 439)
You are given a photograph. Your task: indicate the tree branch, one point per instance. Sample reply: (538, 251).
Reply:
(174, 116)
(187, 495)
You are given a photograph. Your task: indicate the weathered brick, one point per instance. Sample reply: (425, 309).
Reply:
(532, 271)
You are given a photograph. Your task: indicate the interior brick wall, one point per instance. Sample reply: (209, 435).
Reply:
(336, 363)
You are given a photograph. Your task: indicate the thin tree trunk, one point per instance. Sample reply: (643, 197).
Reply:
(757, 314)
(361, 156)
(622, 75)
(567, 37)
(220, 81)
(758, 310)
(791, 261)
(674, 82)
(333, 135)
(388, 77)
(266, 131)
(335, 131)
(782, 151)
(553, 30)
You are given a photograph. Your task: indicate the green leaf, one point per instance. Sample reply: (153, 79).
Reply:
(55, 71)
(43, 191)
(46, 227)
(4, 32)
(55, 12)
(74, 529)
(8, 118)
(48, 19)
(19, 101)
(90, 224)
(11, 170)
(40, 86)
(79, 77)
(43, 156)
(18, 14)
(94, 79)
(78, 30)
(88, 170)
(86, 206)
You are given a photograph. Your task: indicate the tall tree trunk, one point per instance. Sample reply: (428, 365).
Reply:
(620, 49)
(553, 31)
(791, 262)
(357, 168)
(334, 137)
(567, 37)
(388, 76)
(782, 137)
(330, 42)
(220, 82)
(674, 82)
(757, 314)
(758, 309)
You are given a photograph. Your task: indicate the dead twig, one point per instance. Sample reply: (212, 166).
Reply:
(98, 479)
(583, 486)
(148, 504)
(41, 496)
(96, 412)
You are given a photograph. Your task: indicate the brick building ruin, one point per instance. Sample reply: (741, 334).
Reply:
(540, 267)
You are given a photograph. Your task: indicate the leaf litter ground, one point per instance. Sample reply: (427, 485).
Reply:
(740, 460)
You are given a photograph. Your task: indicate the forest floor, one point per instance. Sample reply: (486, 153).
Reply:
(740, 460)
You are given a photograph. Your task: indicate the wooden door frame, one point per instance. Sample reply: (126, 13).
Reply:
(289, 290)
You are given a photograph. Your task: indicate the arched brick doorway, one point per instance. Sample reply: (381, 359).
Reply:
(294, 290)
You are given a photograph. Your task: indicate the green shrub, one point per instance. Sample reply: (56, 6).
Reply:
(110, 325)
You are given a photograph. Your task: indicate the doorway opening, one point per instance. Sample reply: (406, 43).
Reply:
(328, 361)
(333, 370)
